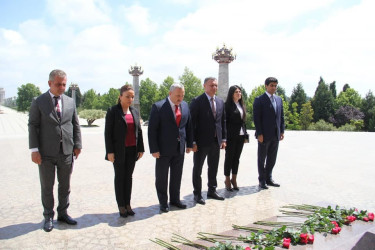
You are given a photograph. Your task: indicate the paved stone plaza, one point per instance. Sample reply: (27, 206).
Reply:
(318, 168)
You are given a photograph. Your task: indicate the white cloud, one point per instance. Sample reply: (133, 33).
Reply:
(139, 18)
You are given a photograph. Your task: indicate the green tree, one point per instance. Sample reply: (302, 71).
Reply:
(322, 102)
(257, 91)
(165, 86)
(147, 97)
(280, 91)
(350, 97)
(332, 88)
(293, 121)
(78, 96)
(90, 100)
(306, 115)
(91, 115)
(192, 84)
(109, 99)
(368, 108)
(25, 96)
(299, 96)
(346, 86)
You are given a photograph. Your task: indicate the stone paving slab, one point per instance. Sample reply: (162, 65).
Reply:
(317, 168)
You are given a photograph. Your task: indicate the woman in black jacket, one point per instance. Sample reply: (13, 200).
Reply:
(236, 135)
(124, 145)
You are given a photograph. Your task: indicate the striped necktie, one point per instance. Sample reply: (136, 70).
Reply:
(57, 106)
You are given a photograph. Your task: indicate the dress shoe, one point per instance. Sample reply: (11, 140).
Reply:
(67, 219)
(272, 183)
(262, 186)
(123, 215)
(129, 211)
(164, 208)
(178, 204)
(199, 199)
(122, 211)
(214, 195)
(48, 225)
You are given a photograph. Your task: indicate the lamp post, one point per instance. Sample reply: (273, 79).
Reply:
(136, 71)
(223, 56)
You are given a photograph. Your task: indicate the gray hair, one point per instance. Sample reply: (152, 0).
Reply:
(56, 72)
(176, 86)
(210, 78)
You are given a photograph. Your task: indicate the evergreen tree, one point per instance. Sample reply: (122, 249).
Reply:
(147, 96)
(280, 91)
(25, 96)
(368, 109)
(322, 102)
(192, 84)
(293, 121)
(346, 86)
(299, 96)
(332, 88)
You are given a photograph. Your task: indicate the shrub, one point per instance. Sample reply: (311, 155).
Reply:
(322, 125)
(91, 115)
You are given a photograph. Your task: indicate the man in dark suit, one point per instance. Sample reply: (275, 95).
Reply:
(169, 130)
(268, 115)
(54, 139)
(208, 118)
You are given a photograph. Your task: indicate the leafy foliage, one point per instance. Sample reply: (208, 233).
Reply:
(91, 115)
(109, 99)
(148, 95)
(165, 86)
(368, 109)
(350, 97)
(257, 91)
(192, 84)
(25, 96)
(345, 114)
(322, 125)
(294, 121)
(322, 102)
(306, 116)
(298, 96)
(91, 100)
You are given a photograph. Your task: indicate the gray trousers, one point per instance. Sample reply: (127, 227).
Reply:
(63, 164)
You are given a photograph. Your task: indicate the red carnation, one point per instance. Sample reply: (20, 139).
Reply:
(286, 243)
(370, 216)
(303, 238)
(247, 248)
(338, 229)
(335, 223)
(310, 239)
(365, 219)
(335, 230)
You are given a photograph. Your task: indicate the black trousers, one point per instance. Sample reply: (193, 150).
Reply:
(163, 165)
(124, 177)
(213, 154)
(233, 152)
(62, 164)
(267, 153)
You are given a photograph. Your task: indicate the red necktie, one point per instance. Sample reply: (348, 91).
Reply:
(58, 111)
(178, 115)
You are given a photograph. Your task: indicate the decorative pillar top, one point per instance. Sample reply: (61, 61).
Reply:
(73, 86)
(135, 70)
(224, 55)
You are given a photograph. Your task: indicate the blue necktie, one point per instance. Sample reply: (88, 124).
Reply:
(273, 101)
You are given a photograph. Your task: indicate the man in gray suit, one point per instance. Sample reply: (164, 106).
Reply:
(54, 139)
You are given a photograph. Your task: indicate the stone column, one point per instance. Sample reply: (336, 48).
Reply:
(73, 87)
(136, 71)
(223, 56)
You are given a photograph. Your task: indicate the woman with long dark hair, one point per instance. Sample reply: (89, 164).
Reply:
(124, 145)
(236, 135)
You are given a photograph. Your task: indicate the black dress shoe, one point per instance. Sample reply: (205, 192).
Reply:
(199, 199)
(48, 225)
(214, 195)
(178, 204)
(272, 183)
(262, 186)
(123, 215)
(130, 212)
(164, 208)
(67, 219)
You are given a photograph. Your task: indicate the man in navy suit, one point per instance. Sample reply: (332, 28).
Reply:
(268, 115)
(169, 129)
(208, 118)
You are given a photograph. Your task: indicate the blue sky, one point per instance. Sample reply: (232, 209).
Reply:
(96, 41)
